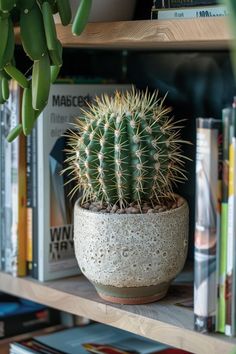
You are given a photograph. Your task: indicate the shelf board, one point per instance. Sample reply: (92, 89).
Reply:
(162, 321)
(203, 33)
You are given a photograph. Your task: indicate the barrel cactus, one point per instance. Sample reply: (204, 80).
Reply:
(127, 149)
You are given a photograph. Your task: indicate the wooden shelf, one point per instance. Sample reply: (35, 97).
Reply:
(163, 321)
(210, 33)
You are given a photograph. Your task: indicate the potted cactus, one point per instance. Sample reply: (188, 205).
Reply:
(130, 229)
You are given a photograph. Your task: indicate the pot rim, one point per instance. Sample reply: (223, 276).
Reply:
(170, 211)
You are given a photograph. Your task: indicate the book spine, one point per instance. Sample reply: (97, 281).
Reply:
(159, 4)
(29, 205)
(18, 189)
(22, 216)
(14, 187)
(198, 12)
(32, 233)
(35, 204)
(206, 220)
(7, 191)
(231, 244)
(222, 244)
(1, 189)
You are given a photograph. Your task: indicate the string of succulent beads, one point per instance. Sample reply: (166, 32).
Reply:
(41, 45)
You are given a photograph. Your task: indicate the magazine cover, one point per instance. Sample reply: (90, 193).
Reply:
(55, 208)
(80, 340)
(206, 223)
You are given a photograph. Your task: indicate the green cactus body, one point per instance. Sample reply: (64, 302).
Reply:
(127, 150)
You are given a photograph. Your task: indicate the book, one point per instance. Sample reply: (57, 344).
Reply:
(31, 175)
(13, 189)
(222, 244)
(55, 251)
(18, 185)
(6, 206)
(31, 346)
(158, 4)
(2, 218)
(230, 329)
(206, 222)
(186, 13)
(19, 316)
(76, 340)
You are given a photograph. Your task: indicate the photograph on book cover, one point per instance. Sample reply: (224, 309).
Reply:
(61, 214)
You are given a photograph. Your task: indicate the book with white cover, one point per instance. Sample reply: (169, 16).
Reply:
(190, 12)
(55, 209)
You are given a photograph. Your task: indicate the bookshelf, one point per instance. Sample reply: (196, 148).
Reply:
(162, 321)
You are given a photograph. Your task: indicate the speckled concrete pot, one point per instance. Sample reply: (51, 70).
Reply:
(131, 258)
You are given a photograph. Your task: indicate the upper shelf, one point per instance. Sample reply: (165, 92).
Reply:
(163, 321)
(204, 33)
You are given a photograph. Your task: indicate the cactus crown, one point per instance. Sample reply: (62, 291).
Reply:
(127, 149)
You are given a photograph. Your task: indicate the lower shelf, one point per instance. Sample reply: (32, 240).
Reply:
(165, 321)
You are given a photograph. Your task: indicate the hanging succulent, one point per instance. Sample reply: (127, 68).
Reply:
(127, 150)
(40, 43)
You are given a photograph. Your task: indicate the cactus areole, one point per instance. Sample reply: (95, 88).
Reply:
(127, 149)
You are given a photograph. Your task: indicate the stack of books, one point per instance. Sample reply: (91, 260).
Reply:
(36, 211)
(19, 316)
(182, 9)
(215, 224)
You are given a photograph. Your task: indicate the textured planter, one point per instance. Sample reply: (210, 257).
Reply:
(131, 258)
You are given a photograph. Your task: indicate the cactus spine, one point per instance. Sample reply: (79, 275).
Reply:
(127, 150)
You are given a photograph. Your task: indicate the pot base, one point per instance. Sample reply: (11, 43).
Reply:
(134, 295)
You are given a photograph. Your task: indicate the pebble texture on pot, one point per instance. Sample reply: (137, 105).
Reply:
(131, 258)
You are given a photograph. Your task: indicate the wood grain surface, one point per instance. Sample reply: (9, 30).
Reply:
(203, 33)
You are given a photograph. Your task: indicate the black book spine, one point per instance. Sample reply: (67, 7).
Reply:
(162, 4)
(28, 322)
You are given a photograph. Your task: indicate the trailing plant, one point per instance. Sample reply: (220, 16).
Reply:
(126, 148)
(41, 45)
